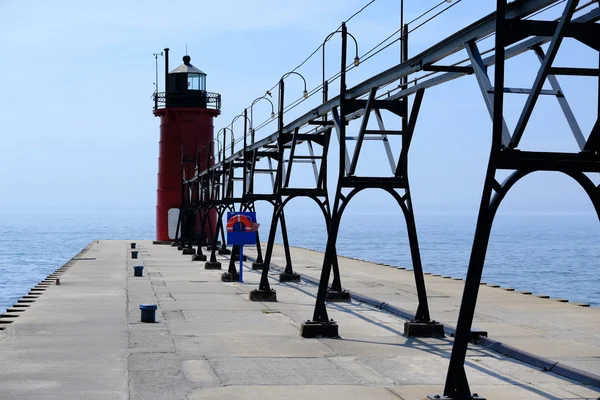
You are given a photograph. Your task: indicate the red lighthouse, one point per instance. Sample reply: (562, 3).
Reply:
(186, 112)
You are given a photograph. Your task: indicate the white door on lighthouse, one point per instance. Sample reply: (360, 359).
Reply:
(172, 217)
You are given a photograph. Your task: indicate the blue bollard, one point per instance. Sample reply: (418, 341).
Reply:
(134, 254)
(133, 245)
(138, 270)
(148, 312)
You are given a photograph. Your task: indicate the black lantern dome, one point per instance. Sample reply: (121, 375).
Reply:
(186, 87)
(186, 77)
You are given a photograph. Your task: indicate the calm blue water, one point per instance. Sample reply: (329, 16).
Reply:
(554, 255)
(34, 245)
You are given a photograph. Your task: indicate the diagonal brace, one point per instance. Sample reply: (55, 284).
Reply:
(564, 104)
(291, 159)
(361, 132)
(485, 85)
(386, 142)
(555, 43)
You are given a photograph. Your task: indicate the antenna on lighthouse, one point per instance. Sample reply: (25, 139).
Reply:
(156, 68)
(156, 78)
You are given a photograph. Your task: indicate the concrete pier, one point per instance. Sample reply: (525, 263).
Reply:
(84, 338)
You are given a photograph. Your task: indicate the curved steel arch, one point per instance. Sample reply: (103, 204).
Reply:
(248, 206)
(313, 197)
(422, 314)
(584, 181)
(278, 214)
(392, 192)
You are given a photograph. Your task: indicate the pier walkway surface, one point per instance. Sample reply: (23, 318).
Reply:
(552, 328)
(84, 339)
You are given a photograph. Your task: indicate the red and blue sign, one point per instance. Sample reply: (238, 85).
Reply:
(241, 228)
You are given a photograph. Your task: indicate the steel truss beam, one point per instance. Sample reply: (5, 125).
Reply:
(349, 184)
(484, 27)
(283, 193)
(505, 156)
(397, 185)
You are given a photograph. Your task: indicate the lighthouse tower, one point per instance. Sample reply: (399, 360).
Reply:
(186, 112)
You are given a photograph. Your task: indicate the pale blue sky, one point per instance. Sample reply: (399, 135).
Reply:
(78, 131)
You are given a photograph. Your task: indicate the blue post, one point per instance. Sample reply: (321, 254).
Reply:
(241, 274)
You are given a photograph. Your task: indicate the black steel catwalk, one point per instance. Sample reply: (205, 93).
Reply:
(215, 183)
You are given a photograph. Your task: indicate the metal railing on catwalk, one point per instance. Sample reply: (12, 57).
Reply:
(216, 181)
